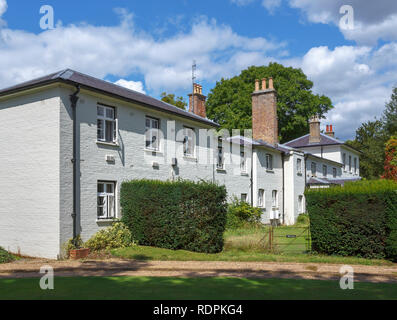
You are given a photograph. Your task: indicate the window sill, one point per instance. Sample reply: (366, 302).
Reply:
(190, 158)
(299, 174)
(158, 152)
(269, 171)
(223, 170)
(244, 174)
(106, 221)
(110, 144)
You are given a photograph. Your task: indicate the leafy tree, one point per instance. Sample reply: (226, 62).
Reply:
(370, 141)
(391, 159)
(229, 102)
(389, 117)
(176, 101)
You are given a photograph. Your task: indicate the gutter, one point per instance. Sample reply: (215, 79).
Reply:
(73, 100)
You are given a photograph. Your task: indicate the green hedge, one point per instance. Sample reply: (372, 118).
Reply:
(175, 215)
(359, 219)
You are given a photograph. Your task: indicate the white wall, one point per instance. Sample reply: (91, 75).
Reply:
(29, 174)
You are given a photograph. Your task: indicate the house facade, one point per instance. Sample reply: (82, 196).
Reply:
(70, 140)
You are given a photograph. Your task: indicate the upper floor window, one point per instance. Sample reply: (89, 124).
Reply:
(269, 162)
(324, 170)
(261, 198)
(344, 161)
(107, 125)
(350, 163)
(313, 168)
(106, 208)
(299, 166)
(334, 172)
(355, 165)
(243, 163)
(189, 142)
(219, 158)
(152, 133)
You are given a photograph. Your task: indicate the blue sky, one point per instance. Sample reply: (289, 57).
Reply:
(149, 45)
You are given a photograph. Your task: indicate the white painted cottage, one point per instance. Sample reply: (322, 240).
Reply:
(69, 140)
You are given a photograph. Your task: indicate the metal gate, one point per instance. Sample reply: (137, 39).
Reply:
(288, 240)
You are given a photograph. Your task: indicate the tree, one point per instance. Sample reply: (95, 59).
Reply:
(170, 98)
(229, 102)
(370, 141)
(389, 117)
(391, 159)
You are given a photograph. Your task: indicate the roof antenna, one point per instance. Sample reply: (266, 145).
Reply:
(194, 67)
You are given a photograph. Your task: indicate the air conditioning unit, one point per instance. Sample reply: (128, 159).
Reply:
(110, 158)
(174, 162)
(155, 164)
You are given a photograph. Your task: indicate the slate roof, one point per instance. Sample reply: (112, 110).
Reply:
(87, 82)
(248, 141)
(303, 141)
(328, 181)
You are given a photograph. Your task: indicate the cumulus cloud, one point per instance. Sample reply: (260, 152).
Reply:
(354, 78)
(122, 51)
(3, 9)
(132, 85)
(373, 20)
(271, 5)
(242, 2)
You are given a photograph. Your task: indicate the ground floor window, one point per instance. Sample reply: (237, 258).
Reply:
(300, 204)
(274, 199)
(261, 198)
(106, 200)
(244, 197)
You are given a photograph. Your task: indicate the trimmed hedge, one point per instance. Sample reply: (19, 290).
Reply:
(359, 219)
(175, 215)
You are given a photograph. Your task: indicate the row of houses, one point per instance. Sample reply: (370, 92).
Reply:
(69, 140)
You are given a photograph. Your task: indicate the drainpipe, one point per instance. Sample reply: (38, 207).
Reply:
(73, 100)
(252, 176)
(282, 163)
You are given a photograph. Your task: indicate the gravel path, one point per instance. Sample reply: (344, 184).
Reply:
(116, 267)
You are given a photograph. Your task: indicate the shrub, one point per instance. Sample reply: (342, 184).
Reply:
(303, 218)
(240, 213)
(116, 236)
(175, 215)
(71, 245)
(5, 256)
(359, 219)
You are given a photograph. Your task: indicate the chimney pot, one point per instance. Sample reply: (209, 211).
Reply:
(199, 101)
(327, 127)
(264, 84)
(256, 85)
(271, 83)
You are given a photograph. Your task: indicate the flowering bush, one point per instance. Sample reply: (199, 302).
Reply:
(116, 236)
(391, 159)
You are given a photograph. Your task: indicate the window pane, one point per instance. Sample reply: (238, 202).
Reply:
(100, 111)
(111, 208)
(100, 131)
(100, 188)
(109, 131)
(109, 188)
(110, 113)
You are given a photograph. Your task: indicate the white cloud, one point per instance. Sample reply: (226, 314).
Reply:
(242, 2)
(132, 85)
(3, 9)
(271, 5)
(123, 51)
(353, 77)
(373, 20)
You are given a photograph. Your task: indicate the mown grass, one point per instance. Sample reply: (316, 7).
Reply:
(246, 244)
(160, 288)
(5, 256)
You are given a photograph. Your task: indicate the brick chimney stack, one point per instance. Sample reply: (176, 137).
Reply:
(264, 112)
(329, 131)
(199, 101)
(314, 123)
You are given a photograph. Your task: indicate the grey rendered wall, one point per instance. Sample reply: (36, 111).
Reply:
(29, 174)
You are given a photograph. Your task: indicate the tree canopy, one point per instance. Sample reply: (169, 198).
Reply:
(176, 101)
(229, 102)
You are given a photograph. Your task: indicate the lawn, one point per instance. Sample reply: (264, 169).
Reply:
(248, 244)
(136, 288)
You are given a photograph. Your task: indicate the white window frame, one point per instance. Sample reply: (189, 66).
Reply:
(244, 197)
(243, 162)
(269, 162)
(109, 200)
(104, 117)
(261, 198)
(325, 170)
(299, 165)
(220, 159)
(313, 164)
(189, 142)
(274, 199)
(151, 132)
